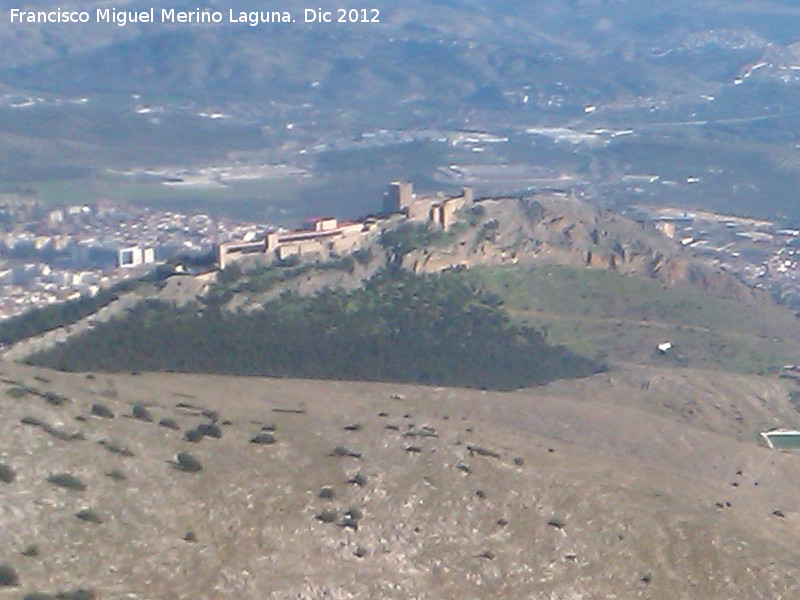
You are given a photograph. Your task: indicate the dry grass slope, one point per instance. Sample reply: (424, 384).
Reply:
(553, 493)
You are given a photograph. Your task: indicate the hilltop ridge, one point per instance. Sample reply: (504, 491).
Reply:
(557, 230)
(500, 245)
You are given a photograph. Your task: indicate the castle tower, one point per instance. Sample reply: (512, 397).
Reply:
(398, 197)
(271, 242)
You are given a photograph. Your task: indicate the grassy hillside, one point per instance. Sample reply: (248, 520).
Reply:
(614, 317)
(378, 491)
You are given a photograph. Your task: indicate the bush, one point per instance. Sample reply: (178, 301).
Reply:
(142, 413)
(187, 462)
(209, 430)
(101, 410)
(358, 479)
(67, 481)
(89, 516)
(193, 435)
(363, 256)
(7, 474)
(169, 423)
(263, 438)
(64, 436)
(55, 399)
(31, 551)
(17, 392)
(116, 448)
(8, 576)
(117, 475)
(327, 516)
(38, 596)
(212, 415)
(342, 451)
(354, 513)
(326, 493)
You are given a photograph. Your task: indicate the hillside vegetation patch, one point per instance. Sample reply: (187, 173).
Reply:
(432, 330)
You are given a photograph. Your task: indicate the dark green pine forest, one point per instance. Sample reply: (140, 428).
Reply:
(398, 327)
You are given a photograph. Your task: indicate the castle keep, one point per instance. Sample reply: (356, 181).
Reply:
(437, 209)
(326, 237)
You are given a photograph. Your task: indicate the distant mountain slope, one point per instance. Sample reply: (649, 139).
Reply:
(472, 48)
(367, 490)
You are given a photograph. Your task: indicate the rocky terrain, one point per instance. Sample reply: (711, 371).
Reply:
(554, 230)
(307, 489)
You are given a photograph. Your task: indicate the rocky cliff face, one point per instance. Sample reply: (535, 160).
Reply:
(563, 231)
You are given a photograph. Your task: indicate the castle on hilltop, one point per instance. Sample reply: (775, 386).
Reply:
(438, 209)
(327, 237)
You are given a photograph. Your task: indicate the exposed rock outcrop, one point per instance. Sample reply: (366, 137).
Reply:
(565, 231)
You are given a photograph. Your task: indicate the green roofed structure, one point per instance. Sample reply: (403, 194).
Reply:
(782, 439)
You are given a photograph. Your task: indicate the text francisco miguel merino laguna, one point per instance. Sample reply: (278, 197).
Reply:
(171, 15)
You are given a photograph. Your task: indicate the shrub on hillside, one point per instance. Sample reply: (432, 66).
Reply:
(117, 475)
(63, 435)
(327, 516)
(142, 413)
(7, 474)
(187, 462)
(89, 515)
(101, 410)
(193, 435)
(212, 415)
(169, 423)
(55, 398)
(67, 481)
(116, 448)
(358, 479)
(342, 451)
(17, 392)
(209, 430)
(263, 438)
(8, 576)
